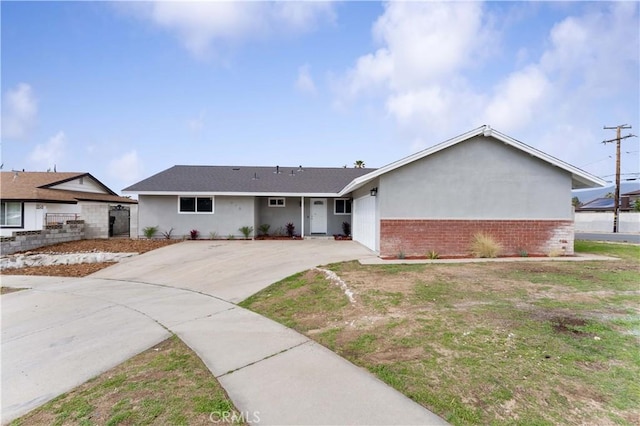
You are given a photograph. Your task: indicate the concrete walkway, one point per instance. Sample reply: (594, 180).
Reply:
(64, 331)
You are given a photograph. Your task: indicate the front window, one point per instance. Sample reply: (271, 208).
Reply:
(11, 214)
(277, 202)
(195, 205)
(342, 206)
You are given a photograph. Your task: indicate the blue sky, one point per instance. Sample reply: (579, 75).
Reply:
(124, 90)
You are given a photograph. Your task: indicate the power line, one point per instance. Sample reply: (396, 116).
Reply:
(616, 197)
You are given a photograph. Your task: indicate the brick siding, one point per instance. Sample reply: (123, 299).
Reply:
(416, 237)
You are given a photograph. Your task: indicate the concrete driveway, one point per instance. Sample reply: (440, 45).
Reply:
(65, 331)
(231, 270)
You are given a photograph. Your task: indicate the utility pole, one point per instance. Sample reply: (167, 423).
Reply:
(616, 197)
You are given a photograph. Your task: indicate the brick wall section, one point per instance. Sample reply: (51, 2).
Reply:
(416, 237)
(54, 234)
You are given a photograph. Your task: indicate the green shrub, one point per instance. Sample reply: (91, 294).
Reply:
(246, 231)
(150, 231)
(264, 229)
(433, 255)
(484, 245)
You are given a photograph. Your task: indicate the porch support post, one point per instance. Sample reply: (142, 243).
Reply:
(302, 216)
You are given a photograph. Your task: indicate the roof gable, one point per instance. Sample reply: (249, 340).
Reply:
(579, 178)
(54, 187)
(83, 182)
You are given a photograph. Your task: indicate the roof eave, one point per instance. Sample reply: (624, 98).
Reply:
(237, 194)
(584, 179)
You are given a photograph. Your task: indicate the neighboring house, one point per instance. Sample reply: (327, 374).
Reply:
(606, 204)
(633, 196)
(32, 200)
(436, 199)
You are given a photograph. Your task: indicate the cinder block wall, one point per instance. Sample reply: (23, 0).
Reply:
(603, 222)
(73, 230)
(96, 219)
(454, 237)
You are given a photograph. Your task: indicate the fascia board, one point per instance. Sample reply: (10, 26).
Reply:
(237, 194)
(576, 173)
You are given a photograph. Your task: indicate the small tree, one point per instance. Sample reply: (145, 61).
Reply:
(575, 201)
(636, 205)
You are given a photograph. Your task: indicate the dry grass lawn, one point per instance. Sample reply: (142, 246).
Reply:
(165, 385)
(495, 343)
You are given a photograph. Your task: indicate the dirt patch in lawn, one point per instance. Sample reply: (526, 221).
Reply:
(493, 343)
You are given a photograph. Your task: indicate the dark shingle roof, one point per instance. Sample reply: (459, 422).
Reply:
(246, 179)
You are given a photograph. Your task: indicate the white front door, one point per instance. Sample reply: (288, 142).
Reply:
(318, 215)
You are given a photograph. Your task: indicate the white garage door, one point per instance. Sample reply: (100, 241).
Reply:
(364, 221)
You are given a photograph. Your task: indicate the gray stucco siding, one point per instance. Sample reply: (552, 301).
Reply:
(478, 179)
(278, 217)
(230, 213)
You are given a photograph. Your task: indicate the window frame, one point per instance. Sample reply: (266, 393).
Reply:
(276, 199)
(195, 201)
(3, 205)
(345, 201)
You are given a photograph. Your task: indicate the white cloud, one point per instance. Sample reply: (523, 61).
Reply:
(302, 16)
(422, 44)
(126, 168)
(598, 50)
(19, 112)
(304, 82)
(49, 154)
(424, 48)
(516, 100)
(428, 40)
(201, 24)
(430, 63)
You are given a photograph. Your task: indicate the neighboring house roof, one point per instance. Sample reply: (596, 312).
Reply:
(579, 178)
(632, 193)
(603, 204)
(39, 187)
(244, 180)
(597, 204)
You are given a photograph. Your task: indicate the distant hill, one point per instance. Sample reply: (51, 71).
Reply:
(586, 195)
